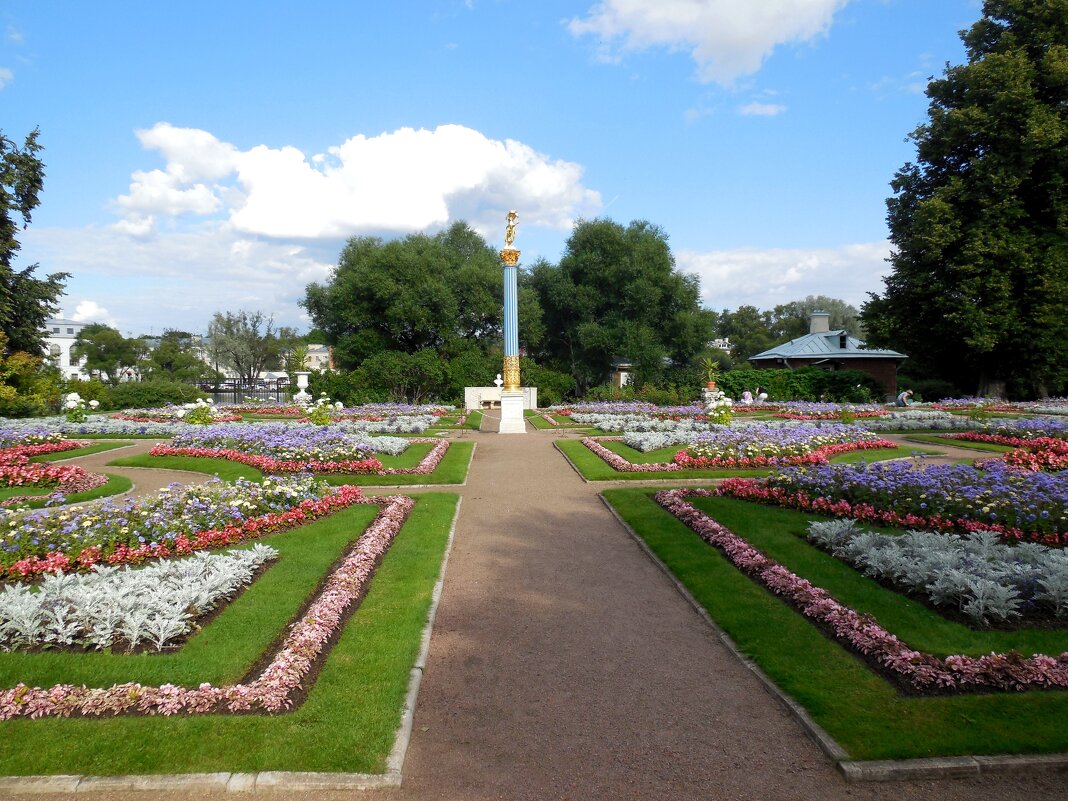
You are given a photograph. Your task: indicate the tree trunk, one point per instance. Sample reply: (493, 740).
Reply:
(990, 387)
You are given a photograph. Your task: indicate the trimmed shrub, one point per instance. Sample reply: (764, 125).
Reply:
(146, 394)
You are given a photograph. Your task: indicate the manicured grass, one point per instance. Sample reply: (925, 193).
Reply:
(594, 468)
(861, 710)
(350, 717)
(223, 468)
(474, 421)
(935, 439)
(452, 469)
(75, 453)
(37, 497)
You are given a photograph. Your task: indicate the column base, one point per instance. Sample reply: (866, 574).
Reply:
(512, 421)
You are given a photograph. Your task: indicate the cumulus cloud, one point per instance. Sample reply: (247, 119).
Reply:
(403, 181)
(89, 311)
(767, 277)
(727, 39)
(6, 77)
(758, 109)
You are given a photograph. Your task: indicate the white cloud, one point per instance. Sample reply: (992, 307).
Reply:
(6, 77)
(767, 277)
(89, 311)
(407, 180)
(726, 38)
(178, 279)
(162, 193)
(758, 109)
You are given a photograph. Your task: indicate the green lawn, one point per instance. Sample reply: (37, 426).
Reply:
(936, 439)
(74, 453)
(350, 717)
(36, 497)
(860, 709)
(593, 468)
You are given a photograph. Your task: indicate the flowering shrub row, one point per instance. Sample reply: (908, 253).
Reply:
(819, 455)
(274, 688)
(921, 671)
(176, 521)
(1016, 504)
(269, 464)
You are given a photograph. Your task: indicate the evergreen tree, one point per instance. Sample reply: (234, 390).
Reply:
(25, 302)
(979, 279)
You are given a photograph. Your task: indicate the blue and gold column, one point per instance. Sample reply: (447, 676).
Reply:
(511, 393)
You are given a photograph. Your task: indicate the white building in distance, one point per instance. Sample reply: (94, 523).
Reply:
(59, 336)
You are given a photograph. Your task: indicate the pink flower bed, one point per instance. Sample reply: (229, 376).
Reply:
(274, 689)
(268, 464)
(1038, 453)
(919, 670)
(16, 470)
(684, 461)
(818, 456)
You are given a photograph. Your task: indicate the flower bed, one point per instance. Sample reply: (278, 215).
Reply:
(108, 606)
(920, 671)
(274, 688)
(976, 576)
(806, 410)
(973, 404)
(270, 464)
(177, 521)
(763, 445)
(1018, 505)
(16, 470)
(751, 446)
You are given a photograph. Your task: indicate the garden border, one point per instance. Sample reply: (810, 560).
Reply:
(854, 770)
(266, 781)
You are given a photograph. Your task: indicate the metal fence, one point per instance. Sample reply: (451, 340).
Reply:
(277, 391)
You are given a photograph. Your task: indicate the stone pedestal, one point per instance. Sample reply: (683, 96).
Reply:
(512, 413)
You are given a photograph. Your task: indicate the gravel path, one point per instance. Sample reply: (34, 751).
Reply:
(564, 665)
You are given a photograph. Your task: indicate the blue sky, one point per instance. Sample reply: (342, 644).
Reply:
(206, 156)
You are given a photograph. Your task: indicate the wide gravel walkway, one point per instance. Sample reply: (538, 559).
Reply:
(564, 665)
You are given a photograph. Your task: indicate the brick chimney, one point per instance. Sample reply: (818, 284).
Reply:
(819, 322)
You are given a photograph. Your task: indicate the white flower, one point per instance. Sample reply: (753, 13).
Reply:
(93, 404)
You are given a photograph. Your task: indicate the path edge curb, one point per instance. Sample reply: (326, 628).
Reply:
(857, 770)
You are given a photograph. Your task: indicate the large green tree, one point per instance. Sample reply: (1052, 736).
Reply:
(441, 294)
(107, 351)
(979, 279)
(616, 295)
(175, 358)
(25, 302)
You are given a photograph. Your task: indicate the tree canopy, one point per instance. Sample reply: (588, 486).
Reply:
(25, 302)
(617, 295)
(440, 293)
(979, 278)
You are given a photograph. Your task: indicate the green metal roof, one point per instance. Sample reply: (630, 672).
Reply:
(826, 345)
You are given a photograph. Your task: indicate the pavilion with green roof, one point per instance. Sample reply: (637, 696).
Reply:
(832, 350)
